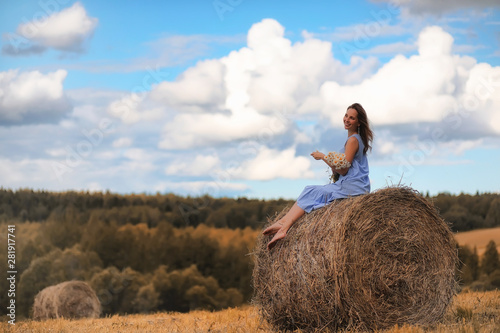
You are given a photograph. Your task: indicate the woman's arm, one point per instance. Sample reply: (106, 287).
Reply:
(319, 156)
(351, 148)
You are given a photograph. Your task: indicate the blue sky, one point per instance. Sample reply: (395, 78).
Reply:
(230, 97)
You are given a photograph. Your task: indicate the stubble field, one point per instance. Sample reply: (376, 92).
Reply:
(470, 312)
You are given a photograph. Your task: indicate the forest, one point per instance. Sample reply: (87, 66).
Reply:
(163, 252)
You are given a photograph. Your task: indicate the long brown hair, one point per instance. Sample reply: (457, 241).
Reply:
(364, 126)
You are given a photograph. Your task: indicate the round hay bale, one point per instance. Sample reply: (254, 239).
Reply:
(70, 299)
(367, 262)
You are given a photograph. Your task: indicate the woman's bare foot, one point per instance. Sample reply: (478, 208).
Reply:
(272, 229)
(279, 235)
(281, 227)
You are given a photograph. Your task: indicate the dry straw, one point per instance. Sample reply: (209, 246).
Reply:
(367, 262)
(70, 299)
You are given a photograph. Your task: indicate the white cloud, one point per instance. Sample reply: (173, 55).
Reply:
(460, 146)
(481, 97)
(122, 142)
(137, 154)
(190, 130)
(434, 42)
(239, 96)
(199, 165)
(271, 164)
(95, 187)
(67, 31)
(38, 173)
(386, 147)
(32, 97)
(107, 155)
(422, 88)
(199, 88)
(135, 107)
(284, 75)
(56, 152)
(139, 160)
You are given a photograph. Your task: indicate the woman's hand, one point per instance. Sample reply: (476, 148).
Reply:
(317, 155)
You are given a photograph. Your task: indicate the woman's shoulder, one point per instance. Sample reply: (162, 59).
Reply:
(352, 143)
(356, 140)
(353, 139)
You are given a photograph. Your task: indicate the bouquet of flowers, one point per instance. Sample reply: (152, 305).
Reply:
(336, 161)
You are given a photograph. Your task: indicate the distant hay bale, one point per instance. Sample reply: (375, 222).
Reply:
(366, 262)
(70, 299)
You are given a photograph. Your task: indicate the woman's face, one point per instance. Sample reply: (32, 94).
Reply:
(351, 120)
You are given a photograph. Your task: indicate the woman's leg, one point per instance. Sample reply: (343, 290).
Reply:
(281, 227)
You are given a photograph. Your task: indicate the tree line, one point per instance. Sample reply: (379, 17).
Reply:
(39, 206)
(163, 252)
(464, 212)
(467, 212)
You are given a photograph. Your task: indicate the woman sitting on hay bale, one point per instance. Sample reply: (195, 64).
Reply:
(351, 166)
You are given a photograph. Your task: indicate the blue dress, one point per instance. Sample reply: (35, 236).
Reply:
(355, 182)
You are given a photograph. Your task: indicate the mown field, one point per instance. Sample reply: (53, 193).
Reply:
(479, 238)
(470, 312)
